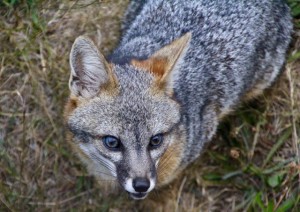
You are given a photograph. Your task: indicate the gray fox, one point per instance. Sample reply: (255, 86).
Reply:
(141, 115)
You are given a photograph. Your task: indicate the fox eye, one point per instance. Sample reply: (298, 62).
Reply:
(156, 141)
(111, 142)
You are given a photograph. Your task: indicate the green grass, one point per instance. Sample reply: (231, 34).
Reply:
(251, 165)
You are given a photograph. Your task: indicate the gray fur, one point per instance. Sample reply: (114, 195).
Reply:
(237, 46)
(133, 116)
(133, 9)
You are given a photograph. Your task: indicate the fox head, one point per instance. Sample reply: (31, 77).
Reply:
(122, 120)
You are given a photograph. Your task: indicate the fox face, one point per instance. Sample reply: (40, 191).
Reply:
(122, 120)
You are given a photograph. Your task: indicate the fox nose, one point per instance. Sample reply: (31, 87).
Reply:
(141, 184)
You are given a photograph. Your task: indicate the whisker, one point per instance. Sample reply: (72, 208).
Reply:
(104, 160)
(105, 164)
(101, 180)
(95, 156)
(165, 162)
(100, 160)
(105, 173)
(102, 163)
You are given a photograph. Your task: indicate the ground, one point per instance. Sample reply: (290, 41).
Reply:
(252, 164)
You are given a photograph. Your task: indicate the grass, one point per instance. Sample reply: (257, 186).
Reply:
(251, 165)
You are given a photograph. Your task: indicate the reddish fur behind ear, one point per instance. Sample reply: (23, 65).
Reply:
(70, 106)
(156, 66)
(162, 64)
(163, 61)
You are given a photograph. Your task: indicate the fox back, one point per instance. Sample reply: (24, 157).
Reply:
(143, 114)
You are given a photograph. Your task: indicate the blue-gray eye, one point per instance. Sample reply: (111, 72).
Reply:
(156, 141)
(111, 142)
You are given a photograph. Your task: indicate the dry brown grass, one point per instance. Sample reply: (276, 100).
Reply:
(253, 161)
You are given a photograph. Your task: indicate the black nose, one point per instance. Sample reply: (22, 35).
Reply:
(141, 184)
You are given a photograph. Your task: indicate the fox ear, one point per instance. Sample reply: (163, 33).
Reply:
(89, 69)
(165, 63)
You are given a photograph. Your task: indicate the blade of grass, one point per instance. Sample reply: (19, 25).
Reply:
(232, 174)
(277, 145)
(278, 166)
(286, 205)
